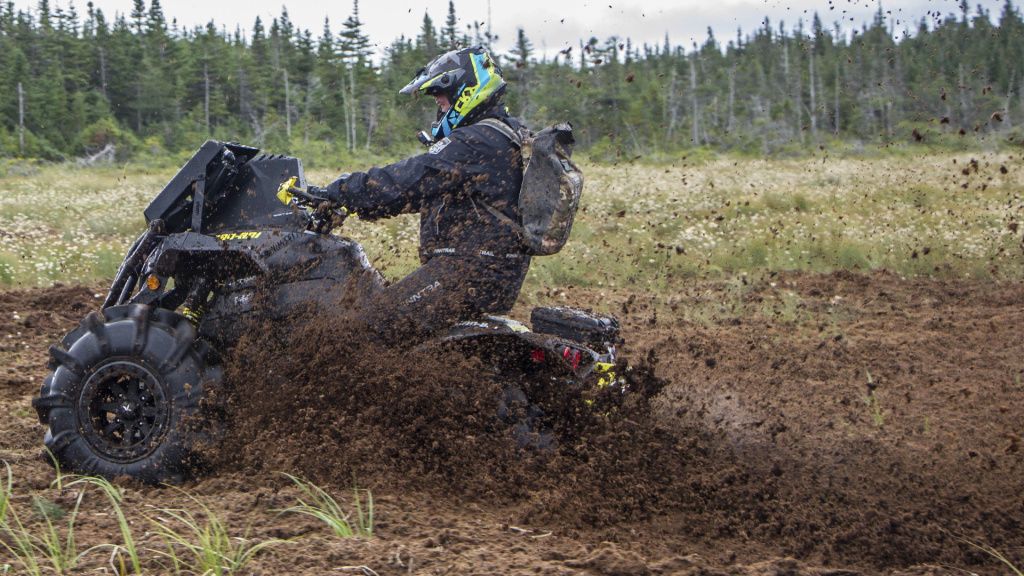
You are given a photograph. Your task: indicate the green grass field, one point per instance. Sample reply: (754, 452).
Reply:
(640, 225)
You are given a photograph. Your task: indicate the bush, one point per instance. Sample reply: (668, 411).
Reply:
(104, 132)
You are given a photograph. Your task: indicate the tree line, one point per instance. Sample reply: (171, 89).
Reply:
(72, 84)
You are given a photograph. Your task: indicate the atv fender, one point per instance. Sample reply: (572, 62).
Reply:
(505, 329)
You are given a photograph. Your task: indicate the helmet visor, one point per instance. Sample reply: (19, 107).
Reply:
(420, 79)
(438, 77)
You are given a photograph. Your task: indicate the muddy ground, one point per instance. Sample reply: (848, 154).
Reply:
(808, 424)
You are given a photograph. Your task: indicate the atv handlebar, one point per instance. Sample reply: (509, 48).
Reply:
(321, 212)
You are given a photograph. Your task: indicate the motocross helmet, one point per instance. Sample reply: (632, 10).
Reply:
(469, 78)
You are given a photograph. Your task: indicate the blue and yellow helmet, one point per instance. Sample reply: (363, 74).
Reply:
(469, 78)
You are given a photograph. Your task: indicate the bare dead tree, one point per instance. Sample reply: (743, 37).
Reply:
(814, 104)
(1009, 98)
(352, 103)
(138, 103)
(287, 106)
(964, 104)
(732, 98)
(103, 71)
(206, 96)
(21, 120)
(693, 99)
(104, 156)
(348, 106)
(835, 118)
(672, 105)
(257, 127)
(785, 77)
(1020, 92)
(886, 91)
(798, 103)
(371, 119)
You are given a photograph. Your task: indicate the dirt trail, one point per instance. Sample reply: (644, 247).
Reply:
(860, 422)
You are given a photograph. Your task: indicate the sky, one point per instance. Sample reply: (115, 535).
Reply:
(551, 24)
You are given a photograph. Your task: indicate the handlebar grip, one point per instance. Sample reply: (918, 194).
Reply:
(284, 191)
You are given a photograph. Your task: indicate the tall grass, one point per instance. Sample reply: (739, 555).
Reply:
(317, 503)
(51, 549)
(197, 540)
(205, 538)
(6, 490)
(114, 497)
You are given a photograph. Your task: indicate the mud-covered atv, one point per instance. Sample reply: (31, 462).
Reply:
(226, 240)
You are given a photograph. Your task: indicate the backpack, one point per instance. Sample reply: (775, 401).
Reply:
(552, 184)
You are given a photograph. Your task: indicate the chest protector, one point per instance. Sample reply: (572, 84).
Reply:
(552, 184)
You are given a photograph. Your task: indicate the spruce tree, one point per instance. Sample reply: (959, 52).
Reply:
(450, 36)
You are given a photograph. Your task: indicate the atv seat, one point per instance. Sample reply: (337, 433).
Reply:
(576, 324)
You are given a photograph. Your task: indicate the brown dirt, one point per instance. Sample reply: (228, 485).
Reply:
(770, 450)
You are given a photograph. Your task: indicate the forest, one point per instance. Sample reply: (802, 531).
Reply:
(75, 85)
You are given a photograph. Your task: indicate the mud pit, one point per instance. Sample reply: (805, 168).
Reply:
(809, 425)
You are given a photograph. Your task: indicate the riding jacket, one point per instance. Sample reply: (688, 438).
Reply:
(448, 186)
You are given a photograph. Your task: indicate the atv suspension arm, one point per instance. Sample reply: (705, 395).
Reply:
(127, 276)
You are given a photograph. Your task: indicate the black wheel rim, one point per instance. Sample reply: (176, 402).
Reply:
(122, 410)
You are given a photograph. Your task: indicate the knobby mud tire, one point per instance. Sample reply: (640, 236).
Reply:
(124, 395)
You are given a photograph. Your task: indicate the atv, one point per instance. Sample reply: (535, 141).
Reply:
(232, 237)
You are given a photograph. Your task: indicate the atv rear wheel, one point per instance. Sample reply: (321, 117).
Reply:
(124, 395)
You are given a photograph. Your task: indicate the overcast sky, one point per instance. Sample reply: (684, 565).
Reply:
(550, 24)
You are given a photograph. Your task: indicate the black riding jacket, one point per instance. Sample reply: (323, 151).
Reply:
(448, 186)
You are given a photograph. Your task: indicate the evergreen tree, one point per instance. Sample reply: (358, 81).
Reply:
(85, 79)
(450, 36)
(138, 15)
(523, 50)
(427, 40)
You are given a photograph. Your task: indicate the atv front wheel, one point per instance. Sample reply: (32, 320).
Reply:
(124, 395)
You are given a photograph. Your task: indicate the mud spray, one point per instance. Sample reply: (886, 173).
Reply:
(320, 399)
(760, 445)
(734, 454)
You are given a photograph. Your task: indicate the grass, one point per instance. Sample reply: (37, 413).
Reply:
(6, 490)
(114, 498)
(204, 537)
(7, 263)
(317, 503)
(645, 226)
(51, 548)
(996, 555)
(196, 539)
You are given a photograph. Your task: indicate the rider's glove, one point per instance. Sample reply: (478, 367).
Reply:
(335, 191)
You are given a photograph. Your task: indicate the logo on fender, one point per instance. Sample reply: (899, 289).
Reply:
(238, 236)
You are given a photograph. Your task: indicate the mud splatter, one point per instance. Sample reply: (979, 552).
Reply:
(779, 456)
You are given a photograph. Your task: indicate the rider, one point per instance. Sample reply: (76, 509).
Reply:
(472, 261)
